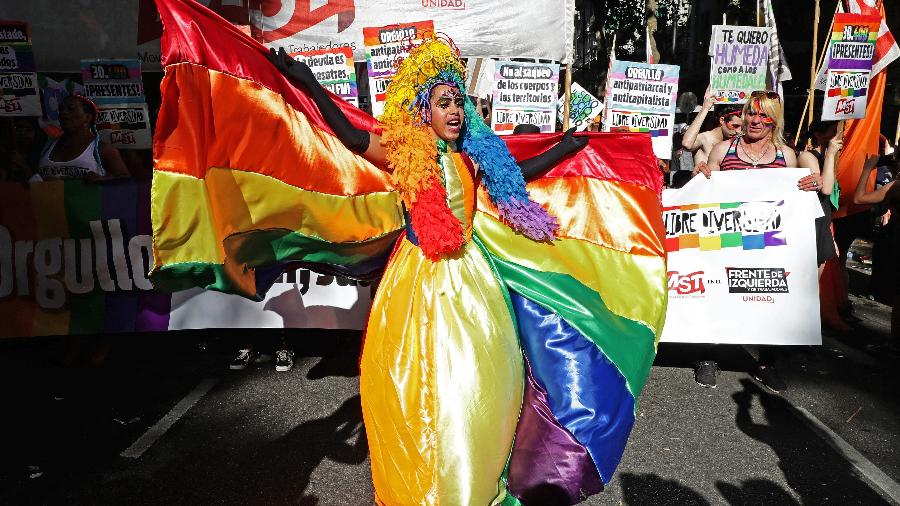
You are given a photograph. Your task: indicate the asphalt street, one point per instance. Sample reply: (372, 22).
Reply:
(197, 433)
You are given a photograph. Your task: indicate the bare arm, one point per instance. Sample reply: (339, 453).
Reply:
(861, 196)
(715, 158)
(690, 139)
(112, 161)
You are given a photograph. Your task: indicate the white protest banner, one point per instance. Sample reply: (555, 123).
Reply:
(742, 259)
(300, 299)
(849, 64)
(334, 70)
(113, 81)
(19, 94)
(480, 77)
(125, 126)
(524, 93)
(499, 28)
(641, 97)
(740, 60)
(385, 47)
(583, 108)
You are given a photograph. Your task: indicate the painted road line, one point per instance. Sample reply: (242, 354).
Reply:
(165, 423)
(882, 482)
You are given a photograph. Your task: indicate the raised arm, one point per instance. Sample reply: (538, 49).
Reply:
(536, 165)
(690, 139)
(359, 141)
(861, 196)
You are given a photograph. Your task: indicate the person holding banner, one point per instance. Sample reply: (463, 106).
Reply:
(821, 159)
(442, 375)
(78, 152)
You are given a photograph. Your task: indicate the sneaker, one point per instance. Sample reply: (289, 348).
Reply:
(705, 374)
(768, 376)
(242, 360)
(284, 360)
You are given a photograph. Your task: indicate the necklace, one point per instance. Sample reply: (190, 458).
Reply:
(754, 161)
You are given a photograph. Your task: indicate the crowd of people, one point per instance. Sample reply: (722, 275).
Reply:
(752, 137)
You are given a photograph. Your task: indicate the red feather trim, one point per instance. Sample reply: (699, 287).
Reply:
(438, 230)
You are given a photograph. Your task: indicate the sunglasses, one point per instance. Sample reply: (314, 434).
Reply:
(768, 94)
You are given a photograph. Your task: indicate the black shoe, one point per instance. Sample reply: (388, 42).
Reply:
(242, 360)
(284, 360)
(705, 374)
(768, 376)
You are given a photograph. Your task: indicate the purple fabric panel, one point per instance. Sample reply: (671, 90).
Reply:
(119, 202)
(154, 307)
(547, 463)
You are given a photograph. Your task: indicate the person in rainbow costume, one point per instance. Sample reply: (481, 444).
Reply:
(441, 370)
(513, 328)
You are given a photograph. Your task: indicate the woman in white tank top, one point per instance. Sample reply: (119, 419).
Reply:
(78, 152)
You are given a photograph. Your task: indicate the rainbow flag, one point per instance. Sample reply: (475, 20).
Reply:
(250, 180)
(79, 254)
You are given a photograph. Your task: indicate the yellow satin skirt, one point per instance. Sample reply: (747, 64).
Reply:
(441, 382)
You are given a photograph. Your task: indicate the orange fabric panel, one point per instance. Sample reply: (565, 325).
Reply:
(212, 119)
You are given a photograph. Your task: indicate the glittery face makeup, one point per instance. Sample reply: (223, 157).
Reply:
(447, 112)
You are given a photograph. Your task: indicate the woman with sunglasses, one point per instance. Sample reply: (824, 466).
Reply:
(760, 145)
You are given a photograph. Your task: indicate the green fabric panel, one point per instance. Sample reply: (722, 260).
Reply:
(266, 247)
(87, 312)
(83, 204)
(835, 196)
(628, 344)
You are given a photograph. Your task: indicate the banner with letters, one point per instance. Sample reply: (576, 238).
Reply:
(740, 59)
(849, 64)
(385, 47)
(74, 259)
(641, 97)
(334, 70)
(117, 88)
(19, 91)
(302, 26)
(742, 260)
(524, 93)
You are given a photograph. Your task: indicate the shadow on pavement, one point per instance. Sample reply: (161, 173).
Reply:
(651, 489)
(811, 468)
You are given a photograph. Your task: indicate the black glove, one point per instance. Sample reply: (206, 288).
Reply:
(355, 139)
(569, 144)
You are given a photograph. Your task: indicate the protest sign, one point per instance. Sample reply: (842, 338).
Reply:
(302, 26)
(334, 70)
(113, 81)
(74, 258)
(740, 59)
(118, 90)
(385, 47)
(849, 64)
(480, 77)
(641, 97)
(19, 95)
(583, 108)
(125, 126)
(524, 93)
(742, 259)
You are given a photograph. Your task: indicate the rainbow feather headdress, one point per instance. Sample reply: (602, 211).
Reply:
(412, 155)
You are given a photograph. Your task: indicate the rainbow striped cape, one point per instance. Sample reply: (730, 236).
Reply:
(250, 180)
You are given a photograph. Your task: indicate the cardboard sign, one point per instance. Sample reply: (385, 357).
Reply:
(125, 126)
(742, 245)
(740, 59)
(386, 47)
(641, 97)
(583, 108)
(113, 81)
(850, 53)
(334, 70)
(524, 93)
(20, 94)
